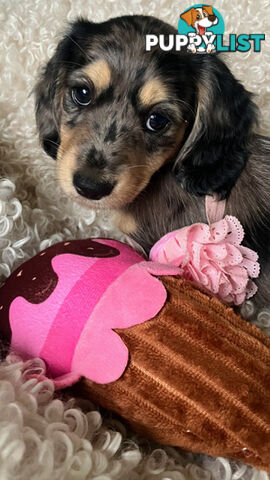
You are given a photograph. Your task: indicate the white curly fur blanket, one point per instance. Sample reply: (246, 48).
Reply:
(42, 438)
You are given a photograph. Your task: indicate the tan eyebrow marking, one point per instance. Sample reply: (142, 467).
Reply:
(153, 91)
(100, 74)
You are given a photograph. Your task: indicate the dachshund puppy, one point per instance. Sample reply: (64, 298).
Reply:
(149, 134)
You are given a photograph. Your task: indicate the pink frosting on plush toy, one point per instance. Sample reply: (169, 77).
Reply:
(73, 328)
(213, 257)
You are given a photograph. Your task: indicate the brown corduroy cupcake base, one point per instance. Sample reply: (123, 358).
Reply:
(198, 378)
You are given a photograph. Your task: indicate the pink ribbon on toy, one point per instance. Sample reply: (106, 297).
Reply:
(212, 255)
(214, 208)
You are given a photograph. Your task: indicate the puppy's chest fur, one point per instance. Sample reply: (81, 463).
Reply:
(162, 207)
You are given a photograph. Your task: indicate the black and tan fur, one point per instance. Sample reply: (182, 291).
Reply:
(155, 182)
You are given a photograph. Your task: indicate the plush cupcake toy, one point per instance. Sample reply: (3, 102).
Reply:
(139, 339)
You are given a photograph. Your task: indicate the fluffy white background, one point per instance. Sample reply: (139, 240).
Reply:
(33, 211)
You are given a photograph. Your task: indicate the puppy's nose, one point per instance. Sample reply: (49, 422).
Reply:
(212, 18)
(89, 188)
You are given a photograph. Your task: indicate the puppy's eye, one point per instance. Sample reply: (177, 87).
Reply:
(81, 95)
(198, 17)
(204, 14)
(156, 122)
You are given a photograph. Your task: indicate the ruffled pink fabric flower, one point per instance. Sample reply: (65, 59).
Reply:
(212, 256)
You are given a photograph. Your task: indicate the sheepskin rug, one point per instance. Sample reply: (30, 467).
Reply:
(43, 436)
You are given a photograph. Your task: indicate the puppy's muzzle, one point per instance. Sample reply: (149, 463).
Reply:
(90, 188)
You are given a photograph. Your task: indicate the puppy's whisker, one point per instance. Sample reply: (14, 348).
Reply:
(187, 106)
(66, 62)
(134, 166)
(53, 143)
(80, 48)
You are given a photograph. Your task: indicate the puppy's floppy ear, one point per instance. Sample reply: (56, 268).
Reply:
(48, 106)
(208, 9)
(187, 16)
(217, 148)
(70, 54)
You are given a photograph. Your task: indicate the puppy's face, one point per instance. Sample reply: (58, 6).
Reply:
(116, 130)
(202, 19)
(121, 115)
(113, 114)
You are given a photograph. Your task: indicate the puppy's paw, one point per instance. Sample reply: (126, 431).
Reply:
(192, 48)
(210, 48)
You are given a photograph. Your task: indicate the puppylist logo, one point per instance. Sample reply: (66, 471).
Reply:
(201, 30)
